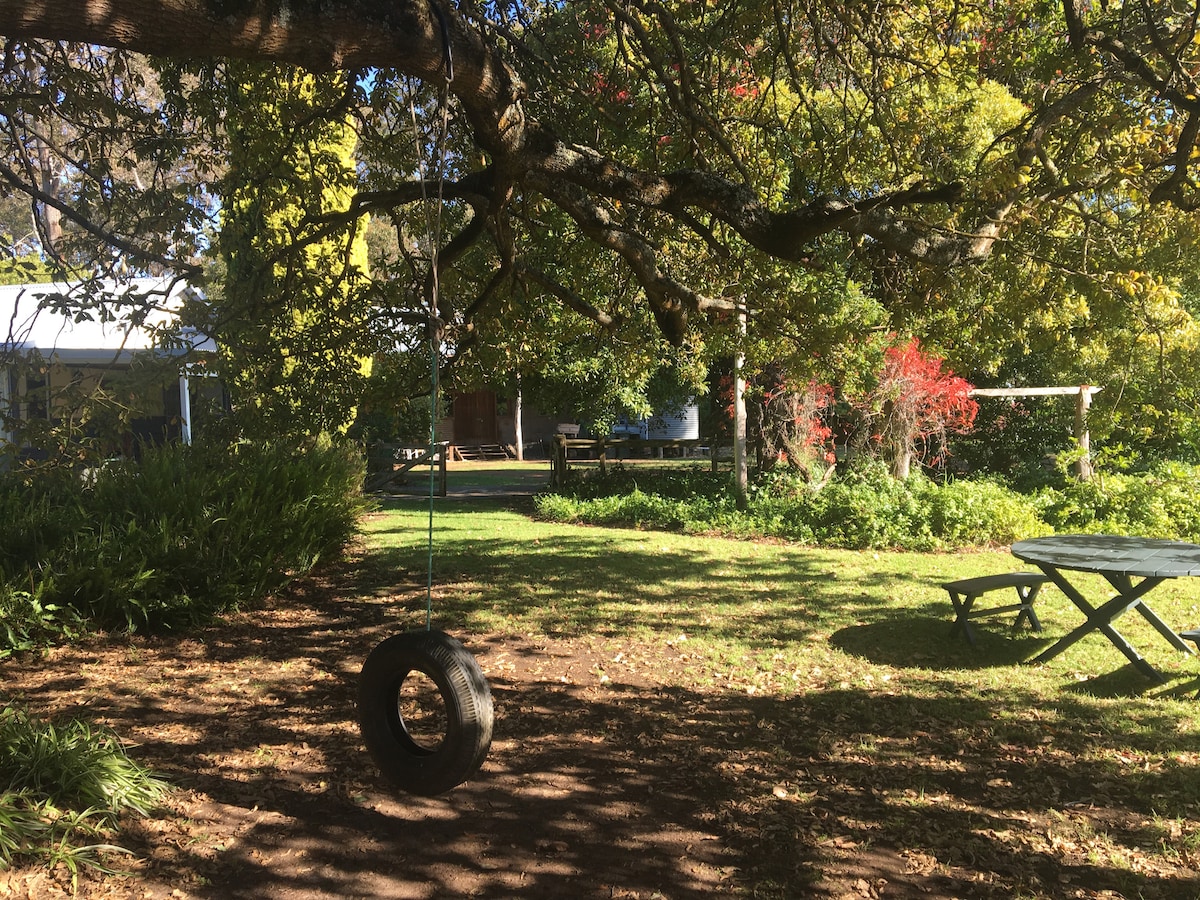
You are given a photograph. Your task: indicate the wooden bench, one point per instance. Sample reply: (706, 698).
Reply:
(964, 593)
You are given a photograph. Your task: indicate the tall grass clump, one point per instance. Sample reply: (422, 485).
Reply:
(171, 540)
(66, 789)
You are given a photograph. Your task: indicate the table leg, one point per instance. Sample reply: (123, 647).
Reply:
(1122, 584)
(1100, 619)
(962, 616)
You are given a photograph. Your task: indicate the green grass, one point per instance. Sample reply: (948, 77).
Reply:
(864, 711)
(493, 474)
(497, 570)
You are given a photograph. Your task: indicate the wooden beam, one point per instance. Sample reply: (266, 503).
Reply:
(1083, 467)
(1033, 391)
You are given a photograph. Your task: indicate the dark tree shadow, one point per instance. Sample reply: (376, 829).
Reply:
(626, 788)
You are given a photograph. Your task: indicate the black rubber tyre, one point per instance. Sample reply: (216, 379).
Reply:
(464, 691)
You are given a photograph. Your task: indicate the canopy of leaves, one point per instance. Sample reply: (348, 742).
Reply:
(292, 319)
(1004, 180)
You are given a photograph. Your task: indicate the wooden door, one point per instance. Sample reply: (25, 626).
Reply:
(475, 418)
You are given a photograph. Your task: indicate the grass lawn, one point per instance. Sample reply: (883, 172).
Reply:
(851, 729)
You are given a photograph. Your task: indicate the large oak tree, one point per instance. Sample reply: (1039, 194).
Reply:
(688, 152)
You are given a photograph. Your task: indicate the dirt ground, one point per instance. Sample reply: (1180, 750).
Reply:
(621, 786)
(253, 721)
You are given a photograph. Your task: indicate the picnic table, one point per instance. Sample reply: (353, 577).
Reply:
(1119, 560)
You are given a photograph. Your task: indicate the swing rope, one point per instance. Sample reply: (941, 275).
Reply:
(464, 691)
(433, 229)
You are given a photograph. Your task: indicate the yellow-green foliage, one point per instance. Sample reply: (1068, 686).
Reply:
(294, 325)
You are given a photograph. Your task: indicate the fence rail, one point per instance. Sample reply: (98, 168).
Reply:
(603, 449)
(390, 463)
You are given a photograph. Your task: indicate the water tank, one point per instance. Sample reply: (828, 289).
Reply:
(676, 424)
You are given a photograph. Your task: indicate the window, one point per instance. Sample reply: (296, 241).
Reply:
(37, 394)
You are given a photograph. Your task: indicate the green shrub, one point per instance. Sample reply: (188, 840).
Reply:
(866, 508)
(1163, 502)
(677, 483)
(67, 787)
(861, 508)
(966, 513)
(38, 515)
(638, 508)
(558, 508)
(26, 621)
(170, 541)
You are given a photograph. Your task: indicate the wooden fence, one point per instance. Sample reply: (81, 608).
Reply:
(603, 449)
(391, 463)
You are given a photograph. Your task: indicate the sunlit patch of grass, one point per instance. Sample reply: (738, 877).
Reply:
(857, 695)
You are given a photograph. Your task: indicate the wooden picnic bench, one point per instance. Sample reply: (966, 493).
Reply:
(965, 591)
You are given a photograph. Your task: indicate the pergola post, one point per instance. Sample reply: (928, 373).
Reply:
(1083, 467)
(1083, 394)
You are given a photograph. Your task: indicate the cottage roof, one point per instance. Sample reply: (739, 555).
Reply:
(137, 317)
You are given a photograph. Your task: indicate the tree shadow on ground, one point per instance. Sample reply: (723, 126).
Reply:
(626, 785)
(927, 643)
(597, 582)
(629, 789)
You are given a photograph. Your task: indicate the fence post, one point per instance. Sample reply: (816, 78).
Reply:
(558, 461)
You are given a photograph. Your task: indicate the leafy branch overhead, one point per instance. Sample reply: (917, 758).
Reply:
(672, 137)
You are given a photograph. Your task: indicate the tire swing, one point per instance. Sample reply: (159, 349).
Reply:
(398, 739)
(424, 705)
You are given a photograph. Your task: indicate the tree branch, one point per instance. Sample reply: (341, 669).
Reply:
(671, 302)
(110, 238)
(568, 297)
(319, 36)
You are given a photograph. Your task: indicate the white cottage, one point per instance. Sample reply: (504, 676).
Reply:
(46, 346)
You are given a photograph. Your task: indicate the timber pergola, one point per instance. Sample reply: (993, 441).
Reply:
(1083, 392)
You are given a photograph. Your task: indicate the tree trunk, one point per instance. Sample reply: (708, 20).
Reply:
(51, 217)
(741, 477)
(519, 431)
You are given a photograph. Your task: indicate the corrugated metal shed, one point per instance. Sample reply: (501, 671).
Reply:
(681, 424)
